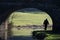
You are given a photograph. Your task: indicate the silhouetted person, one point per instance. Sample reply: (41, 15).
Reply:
(45, 24)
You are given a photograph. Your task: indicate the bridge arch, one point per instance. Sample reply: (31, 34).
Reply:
(44, 10)
(23, 10)
(34, 10)
(50, 9)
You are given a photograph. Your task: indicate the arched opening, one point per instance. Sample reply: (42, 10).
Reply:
(26, 20)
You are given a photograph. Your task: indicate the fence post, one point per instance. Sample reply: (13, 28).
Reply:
(6, 29)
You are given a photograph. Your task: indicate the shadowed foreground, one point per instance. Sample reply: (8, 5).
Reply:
(20, 38)
(50, 36)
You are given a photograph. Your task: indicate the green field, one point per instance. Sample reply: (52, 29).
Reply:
(32, 18)
(20, 18)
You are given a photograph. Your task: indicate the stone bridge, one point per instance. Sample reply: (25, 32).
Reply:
(50, 6)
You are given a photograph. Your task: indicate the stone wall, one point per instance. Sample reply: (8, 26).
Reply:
(2, 30)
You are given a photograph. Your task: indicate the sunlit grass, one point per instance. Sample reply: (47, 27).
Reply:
(20, 18)
(22, 32)
(53, 37)
(28, 32)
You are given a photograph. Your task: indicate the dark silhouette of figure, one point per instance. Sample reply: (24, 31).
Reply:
(45, 24)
